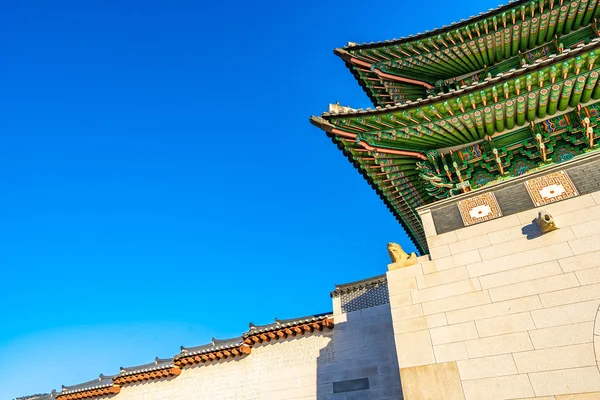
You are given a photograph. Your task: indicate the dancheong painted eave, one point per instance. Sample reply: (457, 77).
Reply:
(497, 41)
(416, 152)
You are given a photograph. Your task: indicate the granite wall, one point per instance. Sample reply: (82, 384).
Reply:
(354, 360)
(501, 311)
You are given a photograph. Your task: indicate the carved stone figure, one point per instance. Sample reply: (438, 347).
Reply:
(546, 222)
(400, 258)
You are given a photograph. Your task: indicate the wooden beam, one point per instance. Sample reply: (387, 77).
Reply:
(265, 337)
(282, 334)
(114, 389)
(245, 349)
(235, 352)
(307, 328)
(317, 326)
(272, 335)
(175, 371)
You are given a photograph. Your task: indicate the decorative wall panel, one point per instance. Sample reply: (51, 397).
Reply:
(550, 188)
(479, 209)
(365, 297)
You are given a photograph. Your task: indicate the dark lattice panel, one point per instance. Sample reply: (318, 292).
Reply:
(365, 297)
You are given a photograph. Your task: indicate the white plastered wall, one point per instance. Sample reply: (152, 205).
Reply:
(359, 347)
(277, 370)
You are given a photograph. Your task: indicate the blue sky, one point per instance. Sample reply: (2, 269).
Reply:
(161, 183)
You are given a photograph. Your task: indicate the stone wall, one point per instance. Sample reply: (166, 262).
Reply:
(277, 370)
(354, 360)
(501, 311)
(365, 364)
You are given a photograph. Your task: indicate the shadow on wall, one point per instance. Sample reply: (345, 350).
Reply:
(360, 361)
(531, 231)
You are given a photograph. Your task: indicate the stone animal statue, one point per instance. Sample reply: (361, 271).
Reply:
(400, 258)
(545, 222)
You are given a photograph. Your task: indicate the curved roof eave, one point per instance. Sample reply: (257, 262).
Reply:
(421, 248)
(443, 29)
(568, 53)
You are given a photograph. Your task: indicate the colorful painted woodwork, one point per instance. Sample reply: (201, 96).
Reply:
(465, 53)
(492, 98)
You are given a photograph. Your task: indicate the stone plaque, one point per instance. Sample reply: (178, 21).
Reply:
(479, 209)
(550, 188)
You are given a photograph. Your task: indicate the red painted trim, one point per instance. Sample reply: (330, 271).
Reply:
(349, 135)
(401, 79)
(391, 77)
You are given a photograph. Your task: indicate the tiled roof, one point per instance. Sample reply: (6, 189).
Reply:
(213, 351)
(386, 143)
(436, 31)
(171, 367)
(102, 386)
(214, 345)
(282, 329)
(285, 323)
(153, 366)
(354, 286)
(160, 368)
(553, 58)
(39, 396)
(101, 382)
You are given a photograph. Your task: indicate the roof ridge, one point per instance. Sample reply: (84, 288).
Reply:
(282, 323)
(102, 380)
(435, 31)
(163, 362)
(356, 285)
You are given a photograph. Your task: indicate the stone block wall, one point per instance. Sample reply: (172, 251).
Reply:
(354, 360)
(365, 364)
(501, 311)
(277, 370)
